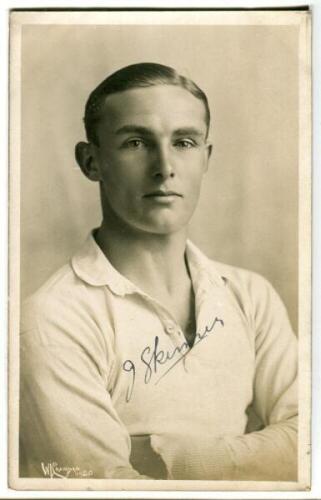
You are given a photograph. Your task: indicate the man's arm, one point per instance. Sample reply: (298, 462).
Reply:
(66, 414)
(269, 454)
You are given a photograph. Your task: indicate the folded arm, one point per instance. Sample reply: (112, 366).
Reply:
(67, 418)
(270, 453)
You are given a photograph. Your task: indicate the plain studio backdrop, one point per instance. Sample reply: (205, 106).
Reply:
(248, 211)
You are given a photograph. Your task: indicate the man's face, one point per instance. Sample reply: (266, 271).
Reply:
(151, 157)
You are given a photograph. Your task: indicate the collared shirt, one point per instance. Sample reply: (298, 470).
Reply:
(104, 365)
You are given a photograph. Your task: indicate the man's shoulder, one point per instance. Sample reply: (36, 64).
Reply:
(60, 283)
(66, 313)
(249, 288)
(67, 286)
(254, 293)
(239, 277)
(63, 298)
(61, 286)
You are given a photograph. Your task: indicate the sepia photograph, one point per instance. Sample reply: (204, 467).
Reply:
(160, 274)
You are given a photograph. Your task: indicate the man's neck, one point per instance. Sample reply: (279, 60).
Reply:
(153, 262)
(157, 265)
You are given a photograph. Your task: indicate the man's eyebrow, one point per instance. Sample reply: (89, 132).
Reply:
(189, 131)
(138, 129)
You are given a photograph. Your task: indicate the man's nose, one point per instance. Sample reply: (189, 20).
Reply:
(163, 162)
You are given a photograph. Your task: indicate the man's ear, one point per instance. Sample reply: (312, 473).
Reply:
(86, 160)
(209, 148)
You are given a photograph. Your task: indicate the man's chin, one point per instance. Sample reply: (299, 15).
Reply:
(165, 227)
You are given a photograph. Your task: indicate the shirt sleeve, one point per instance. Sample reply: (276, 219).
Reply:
(68, 425)
(269, 454)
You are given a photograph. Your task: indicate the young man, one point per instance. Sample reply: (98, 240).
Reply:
(141, 357)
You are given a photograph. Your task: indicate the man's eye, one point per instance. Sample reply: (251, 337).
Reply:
(135, 144)
(185, 144)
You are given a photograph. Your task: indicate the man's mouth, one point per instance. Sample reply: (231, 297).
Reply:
(159, 193)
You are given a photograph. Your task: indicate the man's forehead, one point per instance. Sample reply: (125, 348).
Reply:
(140, 106)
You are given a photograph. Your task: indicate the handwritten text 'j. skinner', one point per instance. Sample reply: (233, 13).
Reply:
(152, 356)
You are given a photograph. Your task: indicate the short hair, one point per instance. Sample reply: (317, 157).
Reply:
(136, 76)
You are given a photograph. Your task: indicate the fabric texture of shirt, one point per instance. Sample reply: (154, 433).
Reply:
(105, 367)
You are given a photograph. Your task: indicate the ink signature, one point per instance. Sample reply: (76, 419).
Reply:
(153, 356)
(53, 470)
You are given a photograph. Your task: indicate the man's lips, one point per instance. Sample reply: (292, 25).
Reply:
(161, 193)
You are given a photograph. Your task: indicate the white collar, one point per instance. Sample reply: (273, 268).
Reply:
(92, 266)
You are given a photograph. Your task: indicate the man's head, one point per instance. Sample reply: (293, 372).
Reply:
(147, 131)
(132, 77)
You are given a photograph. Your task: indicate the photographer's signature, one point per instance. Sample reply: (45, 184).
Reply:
(152, 356)
(53, 470)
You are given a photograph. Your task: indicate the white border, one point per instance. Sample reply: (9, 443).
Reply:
(304, 239)
(301, 19)
(316, 488)
(14, 235)
(161, 18)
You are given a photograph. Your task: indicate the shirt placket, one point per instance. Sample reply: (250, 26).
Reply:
(170, 325)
